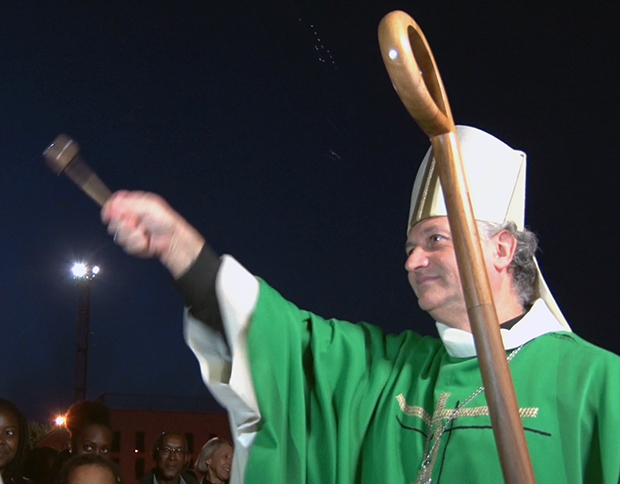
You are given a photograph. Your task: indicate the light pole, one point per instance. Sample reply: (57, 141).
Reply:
(83, 275)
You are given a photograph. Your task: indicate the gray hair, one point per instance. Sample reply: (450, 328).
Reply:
(210, 448)
(523, 268)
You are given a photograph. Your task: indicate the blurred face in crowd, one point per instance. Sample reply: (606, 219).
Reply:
(91, 474)
(9, 438)
(94, 439)
(219, 464)
(172, 457)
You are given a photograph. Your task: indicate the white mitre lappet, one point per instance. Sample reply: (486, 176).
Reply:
(496, 181)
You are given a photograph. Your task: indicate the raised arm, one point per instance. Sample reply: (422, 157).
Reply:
(146, 226)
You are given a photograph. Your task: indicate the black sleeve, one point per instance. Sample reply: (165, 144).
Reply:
(197, 286)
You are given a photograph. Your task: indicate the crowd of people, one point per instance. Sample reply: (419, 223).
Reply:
(88, 459)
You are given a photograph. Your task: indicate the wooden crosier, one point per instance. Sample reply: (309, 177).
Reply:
(414, 74)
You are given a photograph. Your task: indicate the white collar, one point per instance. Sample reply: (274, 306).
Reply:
(537, 321)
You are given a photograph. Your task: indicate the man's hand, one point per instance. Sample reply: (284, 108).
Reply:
(146, 226)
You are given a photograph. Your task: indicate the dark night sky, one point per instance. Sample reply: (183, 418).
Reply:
(300, 168)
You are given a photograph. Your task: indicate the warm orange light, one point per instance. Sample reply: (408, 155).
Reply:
(61, 420)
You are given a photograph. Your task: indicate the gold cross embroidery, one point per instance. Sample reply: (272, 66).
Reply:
(436, 422)
(441, 412)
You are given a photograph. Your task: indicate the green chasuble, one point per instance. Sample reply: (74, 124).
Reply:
(345, 403)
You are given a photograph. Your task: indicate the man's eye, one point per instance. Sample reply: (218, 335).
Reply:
(10, 433)
(88, 448)
(105, 450)
(436, 238)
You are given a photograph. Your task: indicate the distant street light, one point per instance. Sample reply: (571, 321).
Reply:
(84, 275)
(81, 270)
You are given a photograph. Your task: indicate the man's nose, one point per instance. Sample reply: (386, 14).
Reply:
(417, 258)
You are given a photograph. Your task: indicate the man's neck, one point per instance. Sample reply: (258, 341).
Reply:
(164, 480)
(507, 306)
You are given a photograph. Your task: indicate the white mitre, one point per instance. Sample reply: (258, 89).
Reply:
(496, 181)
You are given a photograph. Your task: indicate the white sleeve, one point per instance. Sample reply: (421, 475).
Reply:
(227, 373)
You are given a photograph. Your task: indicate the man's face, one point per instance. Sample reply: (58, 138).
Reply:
(433, 273)
(172, 456)
(219, 464)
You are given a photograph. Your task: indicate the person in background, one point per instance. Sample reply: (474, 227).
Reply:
(90, 432)
(215, 461)
(13, 441)
(89, 469)
(171, 457)
(88, 423)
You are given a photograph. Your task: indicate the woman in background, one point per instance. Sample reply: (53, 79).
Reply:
(90, 432)
(88, 423)
(215, 461)
(14, 437)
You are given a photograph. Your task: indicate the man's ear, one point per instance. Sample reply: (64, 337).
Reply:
(505, 247)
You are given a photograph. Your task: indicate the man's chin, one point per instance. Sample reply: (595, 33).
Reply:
(445, 312)
(426, 303)
(434, 308)
(169, 474)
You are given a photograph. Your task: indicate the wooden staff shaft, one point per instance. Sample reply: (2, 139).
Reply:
(499, 389)
(415, 77)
